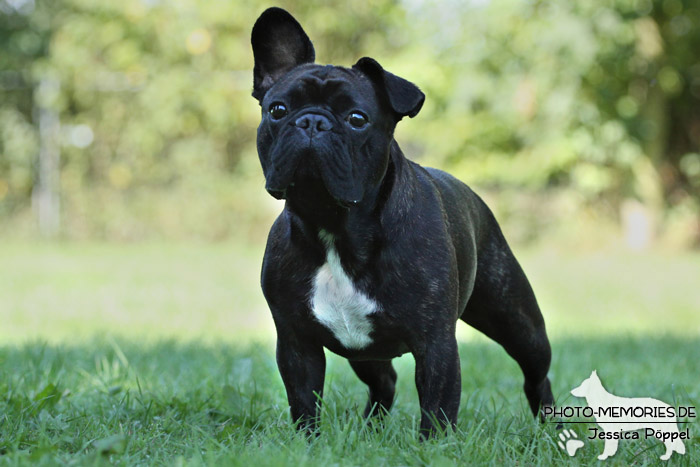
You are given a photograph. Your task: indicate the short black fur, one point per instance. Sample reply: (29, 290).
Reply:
(418, 243)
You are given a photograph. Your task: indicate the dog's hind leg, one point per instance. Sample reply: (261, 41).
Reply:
(380, 377)
(503, 306)
(669, 450)
(678, 446)
(673, 446)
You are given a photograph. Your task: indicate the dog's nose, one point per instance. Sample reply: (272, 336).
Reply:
(312, 124)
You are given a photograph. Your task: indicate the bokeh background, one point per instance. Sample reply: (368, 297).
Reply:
(132, 201)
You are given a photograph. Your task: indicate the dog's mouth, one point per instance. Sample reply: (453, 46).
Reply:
(278, 193)
(311, 184)
(311, 193)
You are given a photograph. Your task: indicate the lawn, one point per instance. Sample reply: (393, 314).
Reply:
(162, 354)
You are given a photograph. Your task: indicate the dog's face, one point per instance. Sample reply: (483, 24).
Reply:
(326, 131)
(584, 388)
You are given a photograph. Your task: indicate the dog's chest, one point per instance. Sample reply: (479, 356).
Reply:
(339, 305)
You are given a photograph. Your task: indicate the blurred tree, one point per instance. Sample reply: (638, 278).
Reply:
(647, 77)
(599, 99)
(24, 38)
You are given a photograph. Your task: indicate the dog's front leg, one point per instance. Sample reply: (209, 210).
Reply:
(302, 367)
(609, 449)
(438, 382)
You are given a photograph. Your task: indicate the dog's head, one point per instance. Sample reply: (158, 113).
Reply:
(583, 389)
(326, 131)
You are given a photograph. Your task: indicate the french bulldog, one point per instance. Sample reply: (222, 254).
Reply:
(373, 255)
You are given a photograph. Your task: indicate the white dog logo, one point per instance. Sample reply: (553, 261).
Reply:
(617, 415)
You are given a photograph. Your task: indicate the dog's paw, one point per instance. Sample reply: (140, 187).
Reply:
(569, 442)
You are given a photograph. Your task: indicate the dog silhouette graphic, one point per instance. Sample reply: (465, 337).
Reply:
(618, 415)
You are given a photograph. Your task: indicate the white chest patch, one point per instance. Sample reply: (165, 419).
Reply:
(338, 305)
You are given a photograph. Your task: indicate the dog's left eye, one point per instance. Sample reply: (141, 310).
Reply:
(357, 119)
(278, 111)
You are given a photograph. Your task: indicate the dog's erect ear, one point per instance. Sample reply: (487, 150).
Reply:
(404, 97)
(279, 44)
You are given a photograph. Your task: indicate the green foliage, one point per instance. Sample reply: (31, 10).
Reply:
(158, 127)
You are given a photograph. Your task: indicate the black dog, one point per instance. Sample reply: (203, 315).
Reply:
(375, 256)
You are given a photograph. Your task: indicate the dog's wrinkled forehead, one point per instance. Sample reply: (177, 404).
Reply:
(324, 85)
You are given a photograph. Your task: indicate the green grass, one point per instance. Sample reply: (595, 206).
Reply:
(211, 293)
(162, 354)
(73, 291)
(168, 403)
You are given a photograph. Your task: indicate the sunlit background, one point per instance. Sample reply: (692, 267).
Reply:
(132, 201)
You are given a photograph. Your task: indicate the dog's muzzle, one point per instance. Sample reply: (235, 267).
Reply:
(313, 124)
(319, 154)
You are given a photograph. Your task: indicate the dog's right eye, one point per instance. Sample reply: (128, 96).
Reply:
(278, 111)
